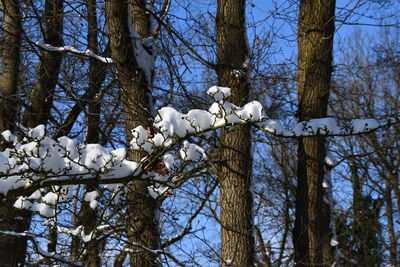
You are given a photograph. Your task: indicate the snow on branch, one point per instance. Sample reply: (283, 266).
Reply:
(40, 170)
(88, 53)
(39, 161)
(173, 126)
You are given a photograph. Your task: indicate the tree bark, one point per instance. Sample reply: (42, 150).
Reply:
(142, 224)
(237, 241)
(10, 63)
(12, 249)
(315, 41)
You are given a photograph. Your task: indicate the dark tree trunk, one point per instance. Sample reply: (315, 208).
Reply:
(87, 216)
(12, 249)
(97, 72)
(49, 67)
(41, 98)
(237, 243)
(315, 40)
(142, 226)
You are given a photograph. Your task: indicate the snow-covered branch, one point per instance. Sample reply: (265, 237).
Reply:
(87, 53)
(172, 126)
(38, 161)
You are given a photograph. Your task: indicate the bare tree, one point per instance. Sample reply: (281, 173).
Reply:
(84, 188)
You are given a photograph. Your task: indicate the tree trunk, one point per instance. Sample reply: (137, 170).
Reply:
(49, 67)
(391, 225)
(88, 217)
(41, 98)
(312, 233)
(237, 245)
(10, 63)
(12, 249)
(97, 72)
(142, 226)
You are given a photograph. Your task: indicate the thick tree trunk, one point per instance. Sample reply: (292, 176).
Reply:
(142, 226)
(12, 249)
(49, 67)
(315, 40)
(10, 56)
(237, 245)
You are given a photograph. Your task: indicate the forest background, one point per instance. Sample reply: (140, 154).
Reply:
(239, 191)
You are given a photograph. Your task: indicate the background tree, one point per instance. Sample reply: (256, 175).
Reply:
(372, 91)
